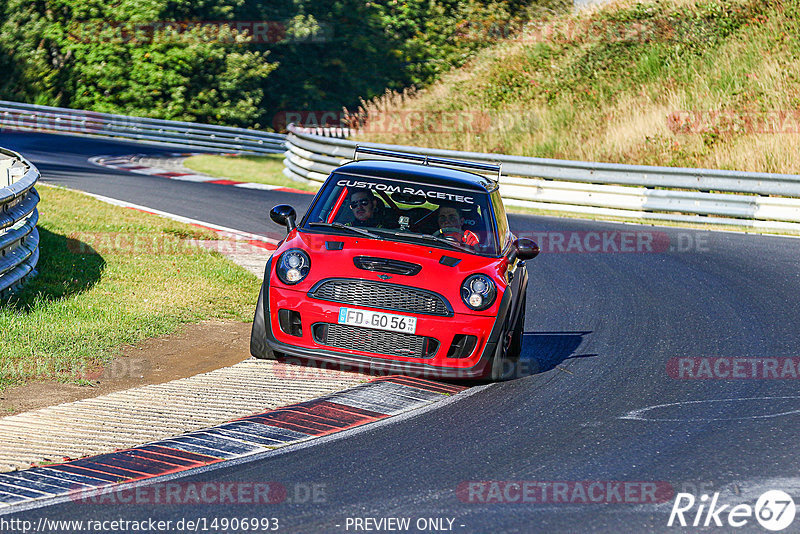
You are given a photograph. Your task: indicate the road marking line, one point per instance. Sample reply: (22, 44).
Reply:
(125, 163)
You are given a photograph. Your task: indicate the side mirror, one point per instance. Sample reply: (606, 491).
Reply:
(284, 215)
(526, 249)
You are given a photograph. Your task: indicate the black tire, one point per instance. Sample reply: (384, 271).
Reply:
(498, 365)
(506, 358)
(258, 336)
(502, 367)
(515, 349)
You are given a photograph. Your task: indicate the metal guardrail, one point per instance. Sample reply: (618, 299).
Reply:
(175, 134)
(745, 199)
(19, 239)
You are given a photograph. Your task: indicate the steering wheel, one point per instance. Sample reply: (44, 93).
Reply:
(452, 234)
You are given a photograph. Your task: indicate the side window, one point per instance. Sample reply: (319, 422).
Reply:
(502, 220)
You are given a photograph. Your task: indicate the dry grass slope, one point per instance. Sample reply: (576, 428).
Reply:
(680, 83)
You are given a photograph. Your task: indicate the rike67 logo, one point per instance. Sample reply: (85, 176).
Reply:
(774, 510)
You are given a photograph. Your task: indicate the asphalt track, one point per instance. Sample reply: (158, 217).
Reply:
(600, 331)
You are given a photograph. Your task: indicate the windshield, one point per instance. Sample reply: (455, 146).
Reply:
(391, 209)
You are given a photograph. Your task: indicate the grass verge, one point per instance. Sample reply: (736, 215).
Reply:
(110, 276)
(258, 169)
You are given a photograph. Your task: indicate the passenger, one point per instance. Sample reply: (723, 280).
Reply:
(451, 226)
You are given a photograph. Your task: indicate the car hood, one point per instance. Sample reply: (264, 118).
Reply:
(441, 269)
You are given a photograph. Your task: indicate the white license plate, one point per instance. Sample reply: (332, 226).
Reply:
(378, 320)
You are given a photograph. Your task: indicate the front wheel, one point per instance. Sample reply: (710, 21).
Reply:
(505, 362)
(503, 368)
(515, 348)
(258, 336)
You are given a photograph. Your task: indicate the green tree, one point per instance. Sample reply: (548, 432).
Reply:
(327, 53)
(122, 58)
(367, 47)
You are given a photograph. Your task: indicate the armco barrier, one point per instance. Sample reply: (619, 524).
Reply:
(19, 239)
(175, 134)
(705, 196)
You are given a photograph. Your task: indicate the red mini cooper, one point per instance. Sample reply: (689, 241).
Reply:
(398, 266)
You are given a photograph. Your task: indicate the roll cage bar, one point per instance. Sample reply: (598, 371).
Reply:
(430, 160)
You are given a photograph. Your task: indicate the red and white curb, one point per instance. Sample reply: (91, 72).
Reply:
(129, 163)
(255, 434)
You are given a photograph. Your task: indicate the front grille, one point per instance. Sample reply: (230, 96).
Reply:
(382, 296)
(375, 341)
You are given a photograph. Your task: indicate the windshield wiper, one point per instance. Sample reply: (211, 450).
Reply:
(442, 240)
(341, 226)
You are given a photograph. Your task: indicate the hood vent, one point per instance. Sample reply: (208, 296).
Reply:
(449, 261)
(385, 265)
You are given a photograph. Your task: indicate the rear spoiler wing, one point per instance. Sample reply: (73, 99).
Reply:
(430, 160)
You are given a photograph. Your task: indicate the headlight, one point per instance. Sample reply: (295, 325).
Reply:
(478, 292)
(293, 266)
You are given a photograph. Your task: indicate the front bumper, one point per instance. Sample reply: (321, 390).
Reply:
(487, 329)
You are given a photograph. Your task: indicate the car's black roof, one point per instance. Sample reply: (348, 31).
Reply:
(414, 172)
